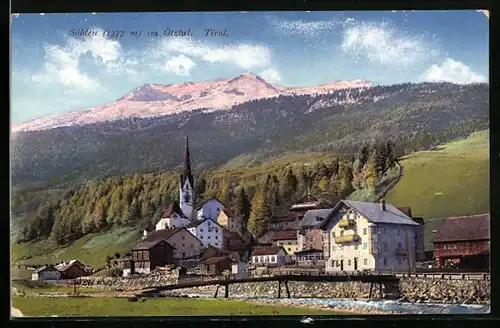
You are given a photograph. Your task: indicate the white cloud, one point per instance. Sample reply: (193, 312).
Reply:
(244, 56)
(270, 75)
(179, 65)
(301, 27)
(452, 71)
(62, 62)
(381, 44)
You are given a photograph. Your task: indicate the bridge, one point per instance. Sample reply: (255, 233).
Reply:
(388, 280)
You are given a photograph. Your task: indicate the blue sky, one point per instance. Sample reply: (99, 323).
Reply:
(54, 73)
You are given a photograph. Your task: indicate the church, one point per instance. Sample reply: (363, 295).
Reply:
(202, 222)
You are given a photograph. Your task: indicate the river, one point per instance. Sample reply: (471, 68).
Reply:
(379, 305)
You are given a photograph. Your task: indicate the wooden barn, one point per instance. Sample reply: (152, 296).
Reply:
(215, 265)
(73, 270)
(463, 242)
(147, 255)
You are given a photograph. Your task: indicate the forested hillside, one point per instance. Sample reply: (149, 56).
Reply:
(414, 116)
(256, 193)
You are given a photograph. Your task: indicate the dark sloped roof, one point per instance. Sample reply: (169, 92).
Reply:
(144, 245)
(474, 227)
(285, 235)
(73, 263)
(162, 234)
(374, 213)
(171, 209)
(46, 268)
(266, 250)
(308, 251)
(215, 260)
(314, 218)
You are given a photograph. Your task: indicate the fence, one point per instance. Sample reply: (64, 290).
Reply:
(447, 276)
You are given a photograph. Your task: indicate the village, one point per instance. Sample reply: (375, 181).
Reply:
(314, 236)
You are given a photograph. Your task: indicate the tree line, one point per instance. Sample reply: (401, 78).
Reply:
(139, 200)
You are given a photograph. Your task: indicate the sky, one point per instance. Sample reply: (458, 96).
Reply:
(55, 71)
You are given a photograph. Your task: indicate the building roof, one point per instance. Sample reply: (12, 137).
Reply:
(374, 213)
(70, 264)
(267, 250)
(145, 244)
(186, 171)
(171, 209)
(162, 234)
(406, 210)
(308, 251)
(474, 227)
(314, 218)
(46, 268)
(215, 260)
(285, 235)
(290, 216)
(419, 220)
(208, 200)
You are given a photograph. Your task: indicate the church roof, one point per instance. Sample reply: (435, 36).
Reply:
(171, 209)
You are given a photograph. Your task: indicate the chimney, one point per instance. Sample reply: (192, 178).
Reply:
(382, 204)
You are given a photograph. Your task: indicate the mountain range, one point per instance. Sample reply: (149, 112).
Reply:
(242, 120)
(154, 100)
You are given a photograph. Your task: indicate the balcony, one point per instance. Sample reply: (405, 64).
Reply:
(346, 223)
(347, 239)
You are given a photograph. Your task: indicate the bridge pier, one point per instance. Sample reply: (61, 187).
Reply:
(369, 296)
(226, 291)
(287, 290)
(279, 288)
(216, 291)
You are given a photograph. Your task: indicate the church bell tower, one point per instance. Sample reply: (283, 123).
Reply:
(186, 192)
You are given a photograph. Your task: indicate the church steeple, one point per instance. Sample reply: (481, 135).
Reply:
(186, 173)
(186, 187)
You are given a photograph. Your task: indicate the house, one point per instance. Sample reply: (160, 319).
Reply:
(464, 241)
(212, 251)
(284, 222)
(210, 210)
(215, 265)
(267, 238)
(419, 236)
(308, 203)
(147, 255)
(208, 232)
(287, 239)
(310, 257)
(172, 218)
(370, 236)
(72, 270)
(269, 255)
(239, 269)
(186, 245)
(310, 234)
(230, 222)
(48, 272)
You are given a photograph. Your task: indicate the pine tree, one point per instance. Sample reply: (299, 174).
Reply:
(289, 184)
(370, 172)
(259, 215)
(224, 195)
(344, 180)
(242, 206)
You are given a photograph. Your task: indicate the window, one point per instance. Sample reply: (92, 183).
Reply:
(201, 237)
(216, 237)
(349, 262)
(273, 258)
(384, 230)
(201, 230)
(183, 237)
(385, 261)
(342, 233)
(208, 237)
(208, 222)
(218, 209)
(399, 261)
(365, 231)
(289, 249)
(216, 244)
(399, 231)
(365, 261)
(365, 246)
(201, 244)
(333, 234)
(385, 245)
(183, 245)
(399, 245)
(216, 230)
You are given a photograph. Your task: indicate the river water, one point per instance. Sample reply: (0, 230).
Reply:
(381, 305)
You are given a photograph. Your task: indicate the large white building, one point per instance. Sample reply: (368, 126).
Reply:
(210, 210)
(369, 236)
(209, 232)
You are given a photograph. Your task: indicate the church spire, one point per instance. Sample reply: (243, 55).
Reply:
(186, 173)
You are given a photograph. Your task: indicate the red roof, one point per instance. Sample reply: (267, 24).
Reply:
(162, 234)
(171, 209)
(464, 228)
(406, 210)
(285, 235)
(266, 250)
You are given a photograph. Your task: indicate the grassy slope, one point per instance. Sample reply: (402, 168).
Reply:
(102, 306)
(90, 249)
(450, 181)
